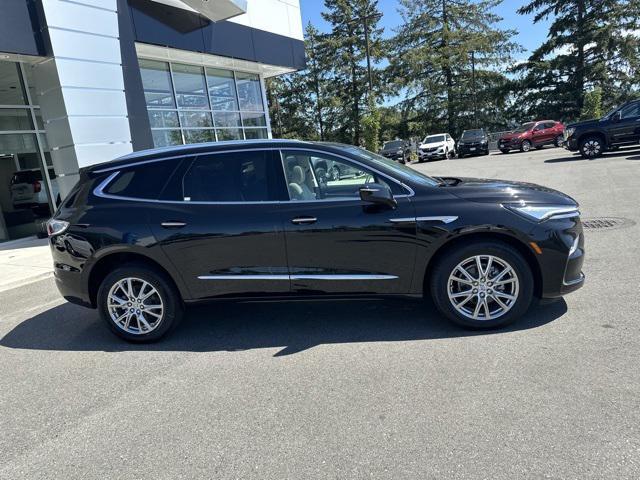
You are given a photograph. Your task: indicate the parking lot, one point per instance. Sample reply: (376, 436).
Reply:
(350, 389)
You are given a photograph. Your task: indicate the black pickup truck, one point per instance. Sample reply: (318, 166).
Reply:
(621, 126)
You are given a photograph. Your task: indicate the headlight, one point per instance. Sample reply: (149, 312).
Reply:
(540, 213)
(399, 151)
(569, 131)
(56, 227)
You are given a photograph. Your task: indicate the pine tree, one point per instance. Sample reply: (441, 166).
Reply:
(591, 44)
(432, 61)
(347, 44)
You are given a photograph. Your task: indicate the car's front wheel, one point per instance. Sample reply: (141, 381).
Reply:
(525, 146)
(139, 303)
(591, 147)
(482, 285)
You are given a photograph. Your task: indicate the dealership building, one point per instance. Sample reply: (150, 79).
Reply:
(87, 81)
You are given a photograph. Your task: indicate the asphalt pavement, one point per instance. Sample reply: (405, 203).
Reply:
(351, 389)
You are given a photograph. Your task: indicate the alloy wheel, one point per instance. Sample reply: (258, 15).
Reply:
(526, 146)
(483, 287)
(592, 148)
(135, 306)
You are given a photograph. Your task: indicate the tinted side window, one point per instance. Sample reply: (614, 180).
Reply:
(231, 177)
(631, 111)
(549, 124)
(144, 181)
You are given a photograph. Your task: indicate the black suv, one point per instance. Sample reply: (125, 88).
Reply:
(398, 150)
(621, 126)
(143, 236)
(473, 142)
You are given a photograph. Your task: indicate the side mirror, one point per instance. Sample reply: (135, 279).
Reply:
(378, 194)
(616, 117)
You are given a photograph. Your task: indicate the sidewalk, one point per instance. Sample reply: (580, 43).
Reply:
(24, 261)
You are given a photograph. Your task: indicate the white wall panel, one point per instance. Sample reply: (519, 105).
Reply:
(281, 17)
(85, 45)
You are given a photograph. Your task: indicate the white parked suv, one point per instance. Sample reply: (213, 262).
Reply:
(28, 190)
(437, 147)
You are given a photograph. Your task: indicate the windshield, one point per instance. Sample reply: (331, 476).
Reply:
(400, 171)
(472, 134)
(393, 145)
(611, 112)
(434, 139)
(524, 128)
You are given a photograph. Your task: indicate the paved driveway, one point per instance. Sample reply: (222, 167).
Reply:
(369, 389)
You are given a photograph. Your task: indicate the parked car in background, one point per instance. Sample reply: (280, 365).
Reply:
(533, 135)
(28, 190)
(398, 150)
(473, 142)
(143, 236)
(437, 147)
(621, 126)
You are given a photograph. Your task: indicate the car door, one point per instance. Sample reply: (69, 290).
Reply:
(336, 243)
(627, 127)
(218, 222)
(537, 135)
(549, 132)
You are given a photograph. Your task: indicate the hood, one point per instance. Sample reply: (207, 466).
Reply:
(432, 145)
(504, 191)
(586, 123)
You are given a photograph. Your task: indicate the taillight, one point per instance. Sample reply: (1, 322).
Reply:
(37, 186)
(56, 227)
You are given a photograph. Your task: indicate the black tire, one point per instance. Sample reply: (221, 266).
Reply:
(486, 152)
(438, 282)
(172, 304)
(591, 147)
(461, 155)
(525, 146)
(559, 141)
(504, 150)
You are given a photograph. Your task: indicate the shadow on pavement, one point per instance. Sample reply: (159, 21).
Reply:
(577, 157)
(294, 326)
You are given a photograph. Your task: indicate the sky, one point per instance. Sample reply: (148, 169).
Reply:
(529, 35)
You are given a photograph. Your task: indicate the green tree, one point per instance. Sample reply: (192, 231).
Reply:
(592, 107)
(432, 61)
(371, 126)
(347, 43)
(591, 43)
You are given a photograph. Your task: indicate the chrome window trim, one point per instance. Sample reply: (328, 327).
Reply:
(352, 277)
(99, 190)
(443, 219)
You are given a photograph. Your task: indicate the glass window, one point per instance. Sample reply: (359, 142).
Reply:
(229, 134)
(312, 176)
(255, 133)
(222, 89)
(249, 92)
(231, 177)
(226, 119)
(156, 81)
(145, 181)
(195, 119)
(254, 120)
(10, 84)
(15, 119)
(163, 119)
(165, 138)
(199, 136)
(190, 86)
(631, 111)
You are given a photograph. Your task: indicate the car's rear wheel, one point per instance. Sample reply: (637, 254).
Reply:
(139, 303)
(591, 147)
(482, 285)
(525, 146)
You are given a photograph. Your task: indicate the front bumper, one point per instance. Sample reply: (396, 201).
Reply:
(472, 149)
(396, 157)
(562, 244)
(431, 155)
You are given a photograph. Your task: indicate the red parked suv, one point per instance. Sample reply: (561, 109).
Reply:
(533, 134)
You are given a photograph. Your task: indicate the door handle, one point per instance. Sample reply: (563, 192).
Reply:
(304, 220)
(173, 224)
